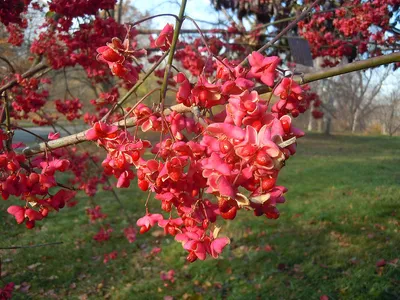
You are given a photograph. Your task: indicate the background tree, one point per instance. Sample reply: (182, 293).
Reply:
(389, 112)
(355, 97)
(335, 30)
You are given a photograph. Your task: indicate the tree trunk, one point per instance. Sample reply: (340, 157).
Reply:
(354, 121)
(310, 121)
(328, 126)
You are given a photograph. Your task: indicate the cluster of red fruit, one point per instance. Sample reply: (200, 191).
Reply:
(208, 165)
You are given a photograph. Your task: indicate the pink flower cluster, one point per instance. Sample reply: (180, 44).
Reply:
(32, 182)
(232, 164)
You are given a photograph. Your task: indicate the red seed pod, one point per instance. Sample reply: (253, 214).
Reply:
(189, 222)
(263, 159)
(195, 192)
(205, 224)
(140, 174)
(44, 211)
(112, 55)
(250, 185)
(144, 229)
(268, 183)
(171, 230)
(12, 166)
(143, 185)
(285, 121)
(3, 161)
(231, 158)
(135, 155)
(203, 95)
(34, 178)
(227, 208)
(271, 212)
(191, 257)
(30, 224)
(119, 70)
(166, 206)
(225, 146)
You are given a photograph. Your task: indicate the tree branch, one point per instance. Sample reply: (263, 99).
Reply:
(360, 65)
(81, 136)
(32, 71)
(284, 31)
(30, 246)
(178, 25)
(352, 67)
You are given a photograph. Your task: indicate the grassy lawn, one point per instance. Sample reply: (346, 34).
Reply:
(341, 217)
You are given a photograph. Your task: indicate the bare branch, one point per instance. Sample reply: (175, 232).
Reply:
(30, 246)
(178, 25)
(32, 71)
(287, 28)
(81, 136)
(355, 66)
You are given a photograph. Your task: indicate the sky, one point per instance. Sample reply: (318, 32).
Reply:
(196, 9)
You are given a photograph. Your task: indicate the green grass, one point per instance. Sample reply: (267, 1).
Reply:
(342, 215)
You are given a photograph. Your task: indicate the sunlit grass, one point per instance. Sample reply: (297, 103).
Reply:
(340, 218)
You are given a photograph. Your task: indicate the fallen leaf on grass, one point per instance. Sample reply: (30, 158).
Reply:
(380, 263)
(23, 288)
(268, 248)
(282, 267)
(354, 261)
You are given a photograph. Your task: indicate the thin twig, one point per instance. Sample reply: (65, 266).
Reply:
(136, 86)
(285, 30)
(178, 25)
(30, 246)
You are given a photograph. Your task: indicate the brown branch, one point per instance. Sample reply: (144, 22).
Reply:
(30, 246)
(360, 65)
(340, 70)
(286, 29)
(32, 71)
(81, 136)
(10, 66)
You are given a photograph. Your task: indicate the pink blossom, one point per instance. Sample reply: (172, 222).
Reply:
(164, 40)
(101, 130)
(218, 245)
(148, 221)
(263, 68)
